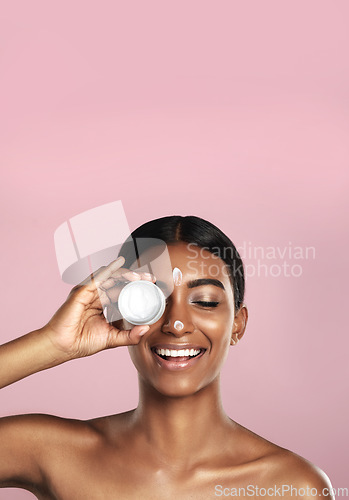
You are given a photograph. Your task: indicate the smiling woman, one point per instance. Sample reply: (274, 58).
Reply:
(178, 442)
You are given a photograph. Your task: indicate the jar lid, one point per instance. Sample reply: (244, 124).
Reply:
(141, 302)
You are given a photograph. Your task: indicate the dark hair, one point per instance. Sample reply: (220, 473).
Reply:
(204, 234)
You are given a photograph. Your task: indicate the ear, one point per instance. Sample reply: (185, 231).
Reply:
(239, 326)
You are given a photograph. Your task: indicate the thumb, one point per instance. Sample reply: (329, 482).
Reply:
(117, 338)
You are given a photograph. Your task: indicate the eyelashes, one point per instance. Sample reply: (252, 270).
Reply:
(202, 303)
(206, 304)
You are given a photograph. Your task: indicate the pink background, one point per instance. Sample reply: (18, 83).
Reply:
(236, 112)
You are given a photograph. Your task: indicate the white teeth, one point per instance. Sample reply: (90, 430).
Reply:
(173, 353)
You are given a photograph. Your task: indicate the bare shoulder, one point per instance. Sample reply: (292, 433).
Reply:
(45, 426)
(297, 476)
(41, 434)
(282, 468)
(31, 443)
(307, 479)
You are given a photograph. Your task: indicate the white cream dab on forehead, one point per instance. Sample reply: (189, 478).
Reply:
(178, 325)
(177, 276)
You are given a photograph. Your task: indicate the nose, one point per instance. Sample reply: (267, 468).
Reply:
(177, 319)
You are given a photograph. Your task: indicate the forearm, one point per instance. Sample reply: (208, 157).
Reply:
(26, 355)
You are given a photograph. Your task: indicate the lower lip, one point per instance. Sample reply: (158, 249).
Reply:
(174, 364)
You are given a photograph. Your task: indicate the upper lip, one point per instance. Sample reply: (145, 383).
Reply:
(177, 346)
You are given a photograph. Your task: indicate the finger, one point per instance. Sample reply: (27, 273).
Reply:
(131, 275)
(110, 289)
(148, 277)
(113, 293)
(134, 275)
(99, 300)
(137, 332)
(123, 275)
(114, 284)
(119, 276)
(103, 272)
(118, 338)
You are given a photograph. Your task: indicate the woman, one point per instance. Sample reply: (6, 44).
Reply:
(178, 443)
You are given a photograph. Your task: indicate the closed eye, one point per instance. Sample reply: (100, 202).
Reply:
(201, 303)
(206, 304)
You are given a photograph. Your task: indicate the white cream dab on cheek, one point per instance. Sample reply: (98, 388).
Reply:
(177, 276)
(178, 325)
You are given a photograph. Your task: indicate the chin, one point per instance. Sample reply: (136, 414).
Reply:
(177, 389)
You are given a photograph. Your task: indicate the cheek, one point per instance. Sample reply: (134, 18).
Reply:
(217, 327)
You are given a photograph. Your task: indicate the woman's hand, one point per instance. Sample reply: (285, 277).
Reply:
(79, 327)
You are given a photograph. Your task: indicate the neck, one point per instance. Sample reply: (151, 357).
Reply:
(182, 429)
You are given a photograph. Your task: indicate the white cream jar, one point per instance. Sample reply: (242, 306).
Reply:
(141, 302)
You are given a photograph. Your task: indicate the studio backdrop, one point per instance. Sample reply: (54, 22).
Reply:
(236, 112)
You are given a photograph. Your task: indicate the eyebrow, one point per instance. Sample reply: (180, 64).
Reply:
(205, 281)
(198, 282)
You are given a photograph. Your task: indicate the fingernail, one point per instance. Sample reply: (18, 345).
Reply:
(143, 330)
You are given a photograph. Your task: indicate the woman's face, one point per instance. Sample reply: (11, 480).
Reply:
(199, 315)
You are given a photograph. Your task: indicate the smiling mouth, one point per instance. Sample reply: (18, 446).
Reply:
(178, 355)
